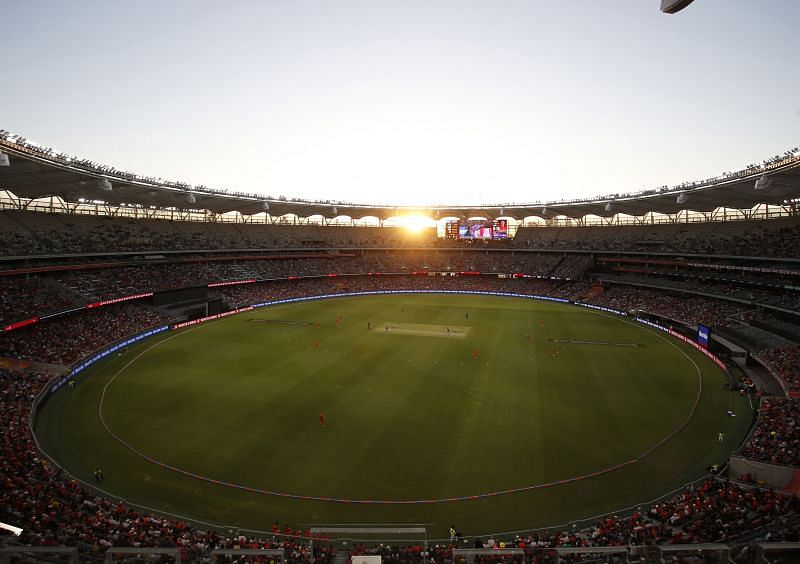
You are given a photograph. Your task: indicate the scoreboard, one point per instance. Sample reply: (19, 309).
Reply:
(479, 229)
(451, 230)
(500, 229)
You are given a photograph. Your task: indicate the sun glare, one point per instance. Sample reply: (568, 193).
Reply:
(416, 223)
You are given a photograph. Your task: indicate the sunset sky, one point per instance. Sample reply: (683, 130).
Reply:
(407, 102)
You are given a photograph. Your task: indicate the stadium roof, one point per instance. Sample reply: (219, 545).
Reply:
(36, 172)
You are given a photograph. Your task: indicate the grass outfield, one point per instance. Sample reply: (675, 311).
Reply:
(556, 392)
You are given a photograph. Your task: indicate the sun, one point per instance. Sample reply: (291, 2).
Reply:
(416, 223)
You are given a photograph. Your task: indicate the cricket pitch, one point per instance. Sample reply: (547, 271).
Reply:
(423, 329)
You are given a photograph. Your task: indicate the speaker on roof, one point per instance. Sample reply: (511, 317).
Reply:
(4, 160)
(674, 6)
(682, 197)
(609, 206)
(335, 211)
(190, 198)
(763, 183)
(104, 184)
(265, 205)
(544, 210)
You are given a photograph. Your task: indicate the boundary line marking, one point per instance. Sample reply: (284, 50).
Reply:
(367, 501)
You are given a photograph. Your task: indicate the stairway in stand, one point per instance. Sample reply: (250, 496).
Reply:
(342, 557)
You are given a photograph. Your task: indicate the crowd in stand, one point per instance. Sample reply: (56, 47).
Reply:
(776, 436)
(24, 233)
(129, 280)
(64, 340)
(34, 233)
(779, 243)
(785, 362)
(783, 298)
(238, 296)
(685, 309)
(778, 238)
(27, 295)
(24, 297)
(715, 510)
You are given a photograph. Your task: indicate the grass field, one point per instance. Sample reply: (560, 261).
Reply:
(556, 392)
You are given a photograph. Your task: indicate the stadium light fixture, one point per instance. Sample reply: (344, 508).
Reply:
(104, 184)
(674, 6)
(16, 531)
(4, 160)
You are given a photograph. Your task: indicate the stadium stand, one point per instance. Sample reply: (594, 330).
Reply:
(774, 238)
(66, 340)
(740, 277)
(786, 362)
(776, 436)
(32, 233)
(26, 233)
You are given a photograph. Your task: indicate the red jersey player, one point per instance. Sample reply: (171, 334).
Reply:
(321, 418)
